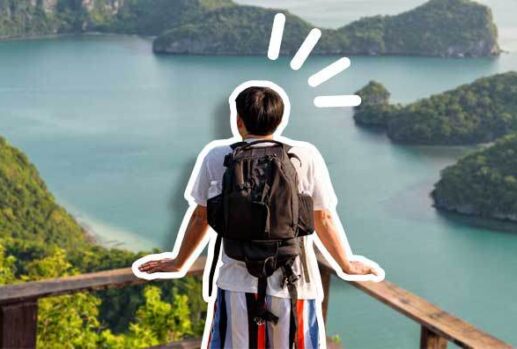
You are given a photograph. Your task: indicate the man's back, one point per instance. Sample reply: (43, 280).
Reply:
(275, 316)
(313, 180)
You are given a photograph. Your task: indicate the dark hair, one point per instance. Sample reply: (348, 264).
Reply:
(261, 109)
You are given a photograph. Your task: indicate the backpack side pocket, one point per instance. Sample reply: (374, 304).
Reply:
(306, 215)
(215, 215)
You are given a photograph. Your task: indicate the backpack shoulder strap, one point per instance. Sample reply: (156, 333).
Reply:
(215, 259)
(237, 144)
(288, 147)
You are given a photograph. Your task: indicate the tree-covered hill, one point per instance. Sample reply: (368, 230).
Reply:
(27, 210)
(375, 107)
(23, 18)
(483, 183)
(473, 113)
(153, 17)
(445, 28)
(236, 30)
(452, 28)
(39, 239)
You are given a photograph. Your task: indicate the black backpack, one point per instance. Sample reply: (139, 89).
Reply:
(260, 216)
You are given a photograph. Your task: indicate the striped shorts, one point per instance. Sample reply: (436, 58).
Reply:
(233, 326)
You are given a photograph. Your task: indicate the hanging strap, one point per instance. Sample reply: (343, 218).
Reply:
(261, 314)
(215, 259)
(290, 279)
(303, 257)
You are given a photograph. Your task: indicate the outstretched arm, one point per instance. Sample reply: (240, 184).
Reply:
(195, 233)
(333, 242)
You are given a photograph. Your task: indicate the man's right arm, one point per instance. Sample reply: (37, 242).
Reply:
(328, 229)
(196, 231)
(332, 240)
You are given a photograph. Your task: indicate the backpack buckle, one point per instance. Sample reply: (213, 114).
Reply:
(289, 280)
(259, 320)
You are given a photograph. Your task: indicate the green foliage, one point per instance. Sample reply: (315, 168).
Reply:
(40, 240)
(472, 113)
(167, 321)
(27, 210)
(438, 28)
(147, 17)
(240, 30)
(483, 183)
(152, 17)
(72, 321)
(374, 109)
(6, 267)
(68, 321)
(157, 322)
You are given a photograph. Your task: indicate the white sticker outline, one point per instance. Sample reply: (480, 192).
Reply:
(210, 236)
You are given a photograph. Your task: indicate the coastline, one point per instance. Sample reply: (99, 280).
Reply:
(110, 236)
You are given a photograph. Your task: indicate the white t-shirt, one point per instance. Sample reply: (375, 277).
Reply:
(313, 179)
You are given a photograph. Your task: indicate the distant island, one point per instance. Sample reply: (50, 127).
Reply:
(479, 112)
(443, 28)
(375, 107)
(39, 239)
(483, 183)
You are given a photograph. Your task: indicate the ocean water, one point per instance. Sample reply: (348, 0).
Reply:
(115, 130)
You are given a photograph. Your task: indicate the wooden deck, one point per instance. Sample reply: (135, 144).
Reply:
(19, 306)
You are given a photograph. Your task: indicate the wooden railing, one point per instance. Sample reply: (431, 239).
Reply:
(19, 308)
(437, 326)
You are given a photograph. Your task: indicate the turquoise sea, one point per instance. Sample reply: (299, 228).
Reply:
(114, 131)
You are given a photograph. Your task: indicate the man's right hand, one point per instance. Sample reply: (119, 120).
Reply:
(360, 268)
(161, 265)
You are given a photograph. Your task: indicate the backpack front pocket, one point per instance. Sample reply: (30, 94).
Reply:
(248, 220)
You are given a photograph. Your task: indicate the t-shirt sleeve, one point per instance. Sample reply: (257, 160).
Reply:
(199, 190)
(323, 195)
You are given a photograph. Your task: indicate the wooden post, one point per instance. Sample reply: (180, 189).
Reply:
(430, 340)
(18, 324)
(325, 281)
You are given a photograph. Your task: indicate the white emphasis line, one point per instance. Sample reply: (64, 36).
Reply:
(337, 101)
(329, 71)
(276, 36)
(305, 49)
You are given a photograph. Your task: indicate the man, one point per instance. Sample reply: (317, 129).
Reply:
(260, 111)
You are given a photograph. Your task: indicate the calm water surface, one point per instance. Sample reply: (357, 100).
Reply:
(114, 131)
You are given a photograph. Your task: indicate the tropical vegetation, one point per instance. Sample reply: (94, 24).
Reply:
(478, 112)
(39, 239)
(375, 106)
(483, 183)
(446, 28)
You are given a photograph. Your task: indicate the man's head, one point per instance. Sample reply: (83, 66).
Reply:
(259, 111)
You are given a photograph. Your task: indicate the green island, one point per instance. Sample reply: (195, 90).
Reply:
(483, 183)
(375, 106)
(39, 240)
(479, 112)
(443, 28)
